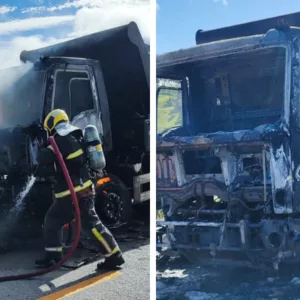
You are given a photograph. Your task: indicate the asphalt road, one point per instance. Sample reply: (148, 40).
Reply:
(25, 245)
(131, 282)
(179, 280)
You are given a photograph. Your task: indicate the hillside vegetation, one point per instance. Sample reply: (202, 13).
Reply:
(169, 109)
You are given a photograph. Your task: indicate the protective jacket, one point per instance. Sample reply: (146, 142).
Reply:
(75, 160)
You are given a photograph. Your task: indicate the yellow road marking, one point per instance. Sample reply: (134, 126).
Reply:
(80, 286)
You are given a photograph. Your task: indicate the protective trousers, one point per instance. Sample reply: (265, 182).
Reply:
(61, 212)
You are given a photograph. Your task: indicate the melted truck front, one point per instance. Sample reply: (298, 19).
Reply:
(228, 151)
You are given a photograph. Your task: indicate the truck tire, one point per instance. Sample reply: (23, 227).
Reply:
(113, 203)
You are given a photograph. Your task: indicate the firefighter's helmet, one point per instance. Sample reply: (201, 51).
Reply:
(54, 118)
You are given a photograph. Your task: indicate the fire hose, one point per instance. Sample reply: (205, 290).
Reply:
(78, 224)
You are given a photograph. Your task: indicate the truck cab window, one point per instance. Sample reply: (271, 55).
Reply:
(169, 104)
(81, 96)
(65, 89)
(239, 92)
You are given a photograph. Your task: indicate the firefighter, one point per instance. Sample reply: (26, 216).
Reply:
(69, 142)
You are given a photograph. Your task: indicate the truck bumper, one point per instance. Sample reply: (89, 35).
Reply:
(254, 242)
(138, 193)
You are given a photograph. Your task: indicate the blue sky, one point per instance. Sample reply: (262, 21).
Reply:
(178, 20)
(31, 24)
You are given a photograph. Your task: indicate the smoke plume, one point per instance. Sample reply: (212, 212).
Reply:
(91, 16)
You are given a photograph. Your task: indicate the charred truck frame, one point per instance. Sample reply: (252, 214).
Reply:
(228, 174)
(101, 79)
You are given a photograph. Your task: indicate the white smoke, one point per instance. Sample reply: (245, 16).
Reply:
(90, 20)
(10, 51)
(8, 77)
(13, 74)
(91, 16)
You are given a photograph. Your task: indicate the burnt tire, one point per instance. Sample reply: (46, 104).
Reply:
(113, 203)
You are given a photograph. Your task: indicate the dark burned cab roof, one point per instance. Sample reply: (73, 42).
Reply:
(221, 48)
(205, 50)
(217, 41)
(248, 29)
(124, 58)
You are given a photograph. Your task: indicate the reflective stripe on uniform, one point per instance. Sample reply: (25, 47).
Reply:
(54, 249)
(71, 155)
(75, 154)
(77, 189)
(115, 250)
(101, 239)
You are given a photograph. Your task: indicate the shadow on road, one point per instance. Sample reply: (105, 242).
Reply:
(20, 262)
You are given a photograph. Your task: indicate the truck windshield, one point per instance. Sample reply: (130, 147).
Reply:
(238, 92)
(235, 92)
(21, 97)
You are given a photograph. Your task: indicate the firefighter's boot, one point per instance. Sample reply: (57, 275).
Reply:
(112, 253)
(50, 259)
(112, 262)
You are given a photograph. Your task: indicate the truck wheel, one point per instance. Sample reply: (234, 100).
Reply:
(113, 203)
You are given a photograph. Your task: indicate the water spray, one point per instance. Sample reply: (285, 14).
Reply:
(11, 215)
(19, 200)
(77, 230)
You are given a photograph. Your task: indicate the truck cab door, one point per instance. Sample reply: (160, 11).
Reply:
(73, 88)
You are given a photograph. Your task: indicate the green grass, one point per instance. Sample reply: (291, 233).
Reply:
(160, 215)
(169, 110)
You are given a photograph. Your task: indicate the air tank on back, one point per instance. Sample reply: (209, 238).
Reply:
(94, 149)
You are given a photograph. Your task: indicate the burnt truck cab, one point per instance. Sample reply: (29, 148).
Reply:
(228, 167)
(100, 79)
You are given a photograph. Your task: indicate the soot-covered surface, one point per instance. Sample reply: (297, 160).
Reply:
(179, 280)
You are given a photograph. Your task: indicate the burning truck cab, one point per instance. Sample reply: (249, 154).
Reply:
(228, 144)
(101, 79)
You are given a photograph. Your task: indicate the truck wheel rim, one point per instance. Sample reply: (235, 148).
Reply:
(113, 207)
